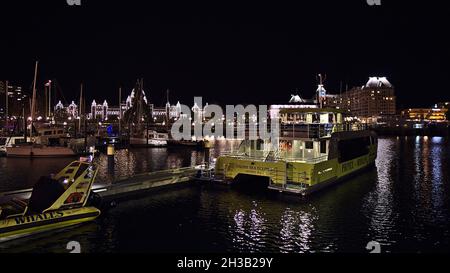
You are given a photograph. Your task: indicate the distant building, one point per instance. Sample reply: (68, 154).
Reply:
(372, 101)
(332, 101)
(159, 114)
(105, 112)
(425, 114)
(14, 103)
(99, 111)
(443, 105)
(3, 91)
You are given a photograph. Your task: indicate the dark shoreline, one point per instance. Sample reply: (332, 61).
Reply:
(430, 131)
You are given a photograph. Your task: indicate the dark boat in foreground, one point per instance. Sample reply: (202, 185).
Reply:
(56, 202)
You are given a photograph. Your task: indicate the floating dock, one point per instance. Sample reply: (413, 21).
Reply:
(146, 181)
(126, 186)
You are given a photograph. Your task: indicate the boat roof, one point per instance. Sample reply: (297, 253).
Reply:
(311, 110)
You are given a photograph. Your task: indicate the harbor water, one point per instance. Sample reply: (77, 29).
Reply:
(403, 204)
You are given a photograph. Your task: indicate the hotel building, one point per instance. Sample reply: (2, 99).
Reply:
(372, 101)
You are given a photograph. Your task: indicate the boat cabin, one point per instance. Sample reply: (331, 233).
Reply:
(50, 136)
(305, 136)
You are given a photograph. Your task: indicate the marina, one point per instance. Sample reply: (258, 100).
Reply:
(291, 154)
(209, 217)
(197, 138)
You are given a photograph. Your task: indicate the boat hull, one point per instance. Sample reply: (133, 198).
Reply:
(185, 143)
(142, 142)
(301, 177)
(23, 226)
(36, 152)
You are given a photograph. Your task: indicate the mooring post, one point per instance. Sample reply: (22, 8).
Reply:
(110, 153)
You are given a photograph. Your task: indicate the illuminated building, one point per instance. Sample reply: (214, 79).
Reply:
(371, 101)
(16, 99)
(425, 114)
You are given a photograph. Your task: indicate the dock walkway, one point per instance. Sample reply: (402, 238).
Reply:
(125, 186)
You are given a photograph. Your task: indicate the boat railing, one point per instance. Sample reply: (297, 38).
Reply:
(273, 156)
(305, 159)
(313, 131)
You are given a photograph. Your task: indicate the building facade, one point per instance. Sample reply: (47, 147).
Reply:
(425, 114)
(372, 101)
(12, 100)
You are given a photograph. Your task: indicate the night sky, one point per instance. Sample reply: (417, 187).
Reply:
(227, 52)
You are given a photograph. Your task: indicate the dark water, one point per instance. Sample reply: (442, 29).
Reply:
(403, 204)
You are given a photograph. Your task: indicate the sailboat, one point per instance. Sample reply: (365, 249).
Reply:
(38, 148)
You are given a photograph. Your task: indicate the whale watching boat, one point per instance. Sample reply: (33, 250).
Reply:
(317, 147)
(56, 202)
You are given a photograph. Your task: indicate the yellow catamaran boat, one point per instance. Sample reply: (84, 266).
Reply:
(56, 202)
(317, 147)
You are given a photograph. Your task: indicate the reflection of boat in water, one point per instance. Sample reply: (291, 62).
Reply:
(152, 139)
(55, 202)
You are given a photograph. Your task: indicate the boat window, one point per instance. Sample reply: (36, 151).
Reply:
(350, 149)
(60, 132)
(2, 141)
(47, 133)
(323, 147)
(315, 118)
(260, 144)
(331, 118)
(309, 145)
(18, 141)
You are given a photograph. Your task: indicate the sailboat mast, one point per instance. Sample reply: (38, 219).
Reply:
(167, 111)
(120, 111)
(50, 98)
(7, 102)
(81, 110)
(33, 101)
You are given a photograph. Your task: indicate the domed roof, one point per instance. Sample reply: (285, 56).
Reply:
(377, 82)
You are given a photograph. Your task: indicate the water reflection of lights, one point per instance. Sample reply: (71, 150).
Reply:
(379, 204)
(437, 140)
(296, 230)
(437, 178)
(250, 229)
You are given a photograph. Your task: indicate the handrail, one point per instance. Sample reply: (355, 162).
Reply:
(311, 130)
(277, 157)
